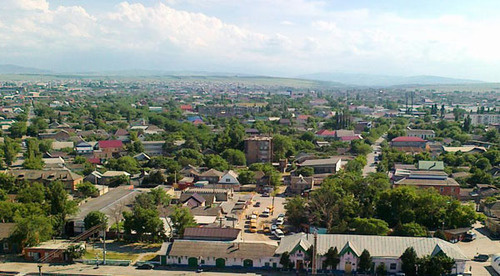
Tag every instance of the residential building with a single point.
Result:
(57, 248)
(212, 234)
(485, 119)
(299, 184)
(330, 165)
(425, 134)
(153, 148)
(84, 148)
(409, 144)
(383, 249)
(109, 148)
(465, 149)
(212, 176)
(438, 180)
(61, 135)
(219, 254)
(6, 246)
(325, 133)
(69, 179)
(229, 181)
(430, 165)
(259, 149)
(122, 135)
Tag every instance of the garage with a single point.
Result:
(220, 263)
(193, 262)
(247, 263)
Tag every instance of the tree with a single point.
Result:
(305, 171)
(60, 205)
(360, 147)
(124, 163)
(155, 177)
(483, 164)
(370, 226)
(18, 129)
(332, 258)
(87, 189)
(381, 270)
(365, 261)
(33, 193)
(440, 235)
(285, 260)
(282, 147)
(439, 264)
(296, 211)
(411, 229)
(234, 157)
(95, 218)
(144, 222)
(32, 230)
(409, 262)
(216, 162)
(181, 219)
(246, 177)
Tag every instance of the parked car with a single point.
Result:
(281, 215)
(265, 194)
(253, 216)
(266, 228)
(278, 233)
(280, 221)
(253, 228)
(481, 258)
(146, 266)
(470, 236)
(274, 227)
(265, 213)
(257, 204)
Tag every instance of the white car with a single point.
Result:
(254, 216)
(265, 213)
(274, 227)
(281, 215)
(279, 234)
(280, 221)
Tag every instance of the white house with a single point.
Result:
(383, 249)
(229, 180)
(84, 148)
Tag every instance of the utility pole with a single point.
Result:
(104, 246)
(315, 250)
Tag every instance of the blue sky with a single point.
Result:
(268, 37)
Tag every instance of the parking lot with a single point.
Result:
(481, 245)
(244, 223)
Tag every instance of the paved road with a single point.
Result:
(81, 269)
(482, 245)
(370, 158)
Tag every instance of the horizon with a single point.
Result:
(278, 38)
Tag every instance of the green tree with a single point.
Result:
(32, 193)
(246, 177)
(32, 230)
(124, 163)
(305, 171)
(296, 211)
(282, 147)
(381, 270)
(154, 177)
(145, 222)
(10, 150)
(365, 261)
(60, 205)
(332, 258)
(234, 157)
(370, 226)
(409, 262)
(181, 219)
(95, 218)
(483, 164)
(216, 162)
(285, 260)
(411, 229)
(87, 189)
(18, 129)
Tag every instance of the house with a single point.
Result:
(84, 148)
(383, 249)
(299, 184)
(109, 148)
(431, 165)
(438, 180)
(53, 163)
(425, 134)
(6, 246)
(221, 195)
(344, 133)
(122, 135)
(153, 148)
(142, 157)
(212, 176)
(325, 133)
(259, 149)
(229, 181)
(60, 136)
(56, 145)
(409, 144)
(56, 249)
(219, 254)
(193, 200)
(69, 179)
(350, 138)
(330, 165)
(465, 149)
(212, 233)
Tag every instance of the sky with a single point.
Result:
(265, 37)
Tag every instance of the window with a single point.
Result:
(393, 266)
(202, 261)
(228, 180)
(179, 260)
(441, 189)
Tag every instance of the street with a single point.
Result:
(370, 158)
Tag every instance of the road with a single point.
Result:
(81, 269)
(481, 245)
(370, 158)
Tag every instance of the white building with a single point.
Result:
(485, 119)
(383, 249)
(425, 134)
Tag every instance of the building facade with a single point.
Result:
(259, 149)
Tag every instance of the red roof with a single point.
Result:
(94, 161)
(326, 132)
(186, 107)
(110, 144)
(303, 117)
(407, 139)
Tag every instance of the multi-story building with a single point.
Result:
(485, 119)
(425, 134)
(259, 149)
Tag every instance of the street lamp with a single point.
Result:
(40, 269)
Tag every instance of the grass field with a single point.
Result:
(111, 255)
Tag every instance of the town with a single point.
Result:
(106, 176)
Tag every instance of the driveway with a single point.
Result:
(481, 245)
(370, 158)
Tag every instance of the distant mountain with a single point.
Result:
(6, 69)
(383, 80)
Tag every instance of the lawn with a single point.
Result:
(111, 255)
